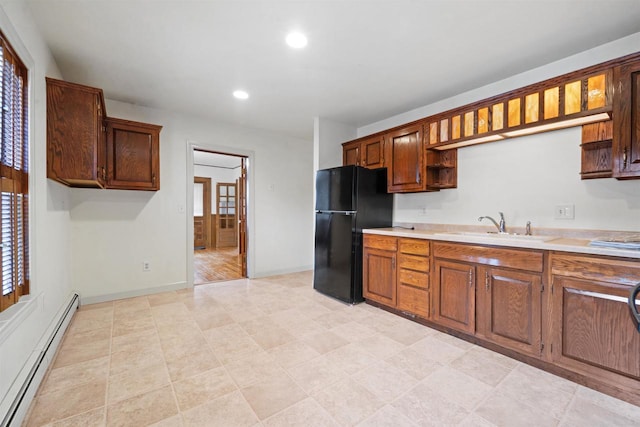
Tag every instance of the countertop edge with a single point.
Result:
(559, 244)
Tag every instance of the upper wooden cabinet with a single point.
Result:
(133, 159)
(87, 149)
(367, 152)
(405, 153)
(626, 121)
(75, 137)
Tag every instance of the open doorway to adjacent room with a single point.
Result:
(219, 216)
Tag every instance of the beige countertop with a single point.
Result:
(552, 243)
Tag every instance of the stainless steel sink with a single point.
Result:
(499, 236)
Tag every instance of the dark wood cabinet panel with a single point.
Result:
(592, 327)
(351, 154)
(454, 295)
(75, 137)
(413, 300)
(626, 121)
(379, 276)
(133, 160)
(509, 308)
(372, 153)
(519, 259)
(366, 152)
(405, 165)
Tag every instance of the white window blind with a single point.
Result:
(14, 177)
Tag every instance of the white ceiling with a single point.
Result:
(366, 59)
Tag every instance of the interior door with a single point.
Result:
(242, 216)
(201, 212)
(227, 229)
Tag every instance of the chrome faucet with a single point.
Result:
(502, 227)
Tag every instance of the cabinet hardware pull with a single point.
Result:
(470, 278)
(393, 263)
(153, 179)
(486, 280)
(104, 174)
(624, 158)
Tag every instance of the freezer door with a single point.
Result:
(334, 255)
(335, 189)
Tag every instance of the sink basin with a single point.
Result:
(499, 236)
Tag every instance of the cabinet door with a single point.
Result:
(592, 330)
(509, 308)
(372, 153)
(351, 154)
(75, 144)
(626, 121)
(454, 301)
(133, 155)
(405, 160)
(379, 276)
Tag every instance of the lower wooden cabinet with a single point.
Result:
(413, 291)
(566, 311)
(396, 273)
(591, 331)
(454, 299)
(510, 308)
(379, 269)
(379, 276)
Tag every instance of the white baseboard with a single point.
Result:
(299, 269)
(16, 402)
(135, 293)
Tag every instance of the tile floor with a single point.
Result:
(273, 352)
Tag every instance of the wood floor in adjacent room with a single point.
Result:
(214, 265)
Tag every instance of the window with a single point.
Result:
(14, 176)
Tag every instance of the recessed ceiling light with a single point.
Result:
(241, 94)
(296, 40)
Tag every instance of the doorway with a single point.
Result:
(219, 217)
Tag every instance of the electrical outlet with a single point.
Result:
(146, 266)
(565, 212)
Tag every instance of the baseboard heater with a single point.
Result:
(39, 362)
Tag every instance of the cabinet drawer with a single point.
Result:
(414, 246)
(413, 300)
(520, 259)
(415, 278)
(413, 262)
(381, 242)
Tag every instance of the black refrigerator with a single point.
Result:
(348, 199)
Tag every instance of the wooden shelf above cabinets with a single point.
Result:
(581, 97)
(442, 169)
(596, 148)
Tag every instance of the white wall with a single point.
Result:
(328, 135)
(50, 223)
(524, 177)
(115, 231)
